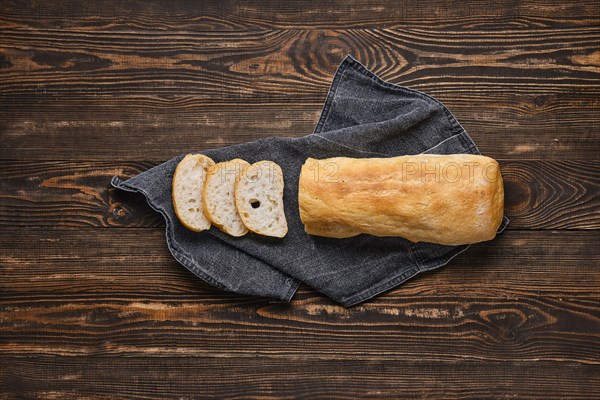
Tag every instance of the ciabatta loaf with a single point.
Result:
(259, 199)
(188, 181)
(445, 199)
(218, 197)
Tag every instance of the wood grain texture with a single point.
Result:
(81, 293)
(232, 15)
(504, 125)
(539, 195)
(435, 328)
(520, 93)
(45, 263)
(279, 65)
(259, 377)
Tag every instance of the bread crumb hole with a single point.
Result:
(254, 203)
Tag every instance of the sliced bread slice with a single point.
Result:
(188, 181)
(259, 199)
(218, 197)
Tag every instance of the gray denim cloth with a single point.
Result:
(363, 116)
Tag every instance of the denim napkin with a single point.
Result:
(363, 116)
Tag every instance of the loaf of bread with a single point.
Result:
(445, 199)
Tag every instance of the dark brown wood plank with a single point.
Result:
(517, 298)
(227, 15)
(520, 93)
(539, 195)
(40, 264)
(277, 65)
(528, 328)
(121, 129)
(150, 377)
(557, 195)
(503, 125)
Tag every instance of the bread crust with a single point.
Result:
(446, 199)
(200, 158)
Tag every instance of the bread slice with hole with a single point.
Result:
(259, 199)
(188, 182)
(219, 197)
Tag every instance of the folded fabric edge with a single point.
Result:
(394, 281)
(337, 77)
(180, 256)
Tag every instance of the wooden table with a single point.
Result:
(92, 305)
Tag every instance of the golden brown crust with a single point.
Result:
(453, 199)
(204, 208)
(337, 231)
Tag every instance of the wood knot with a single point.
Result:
(118, 211)
(540, 101)
(505, 323)
(517, 194)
